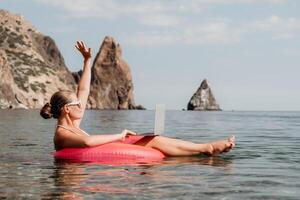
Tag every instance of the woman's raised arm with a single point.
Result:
(83, 89)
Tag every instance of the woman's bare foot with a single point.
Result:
(221, 146)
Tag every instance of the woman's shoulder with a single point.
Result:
(59, 131)
(61, 137)
(58, 139)
(61, 134)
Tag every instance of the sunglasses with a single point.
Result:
(74, 103)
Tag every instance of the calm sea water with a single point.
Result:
(264, 165)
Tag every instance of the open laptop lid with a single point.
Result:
(159, 123)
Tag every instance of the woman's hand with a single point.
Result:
(125, 133)
(86, 52)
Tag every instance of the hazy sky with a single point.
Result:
(249, 50)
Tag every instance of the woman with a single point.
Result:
(68, 108)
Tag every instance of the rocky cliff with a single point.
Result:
(203, 99)
(32, 69)
(31, 66)
(111, 85)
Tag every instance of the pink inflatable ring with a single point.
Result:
(113, 153)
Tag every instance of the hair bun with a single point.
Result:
(46, 112)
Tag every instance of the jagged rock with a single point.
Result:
(111, 84)
(77, 76)
(6, 83)
(203, 99)
(31, 66)
(138, 107)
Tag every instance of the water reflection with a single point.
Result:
(73, 180)
(205, 160)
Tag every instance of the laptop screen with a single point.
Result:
(159, 123)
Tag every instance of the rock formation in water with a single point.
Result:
(203, 99)
(111, 85)
(32, 69)
(31, 66)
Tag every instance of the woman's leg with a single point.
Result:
(175, 147)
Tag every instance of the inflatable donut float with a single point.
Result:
(113, 153)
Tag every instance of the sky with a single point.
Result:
(248, 50)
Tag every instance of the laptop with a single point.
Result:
(159, 123)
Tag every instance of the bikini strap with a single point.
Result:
(71, 129)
